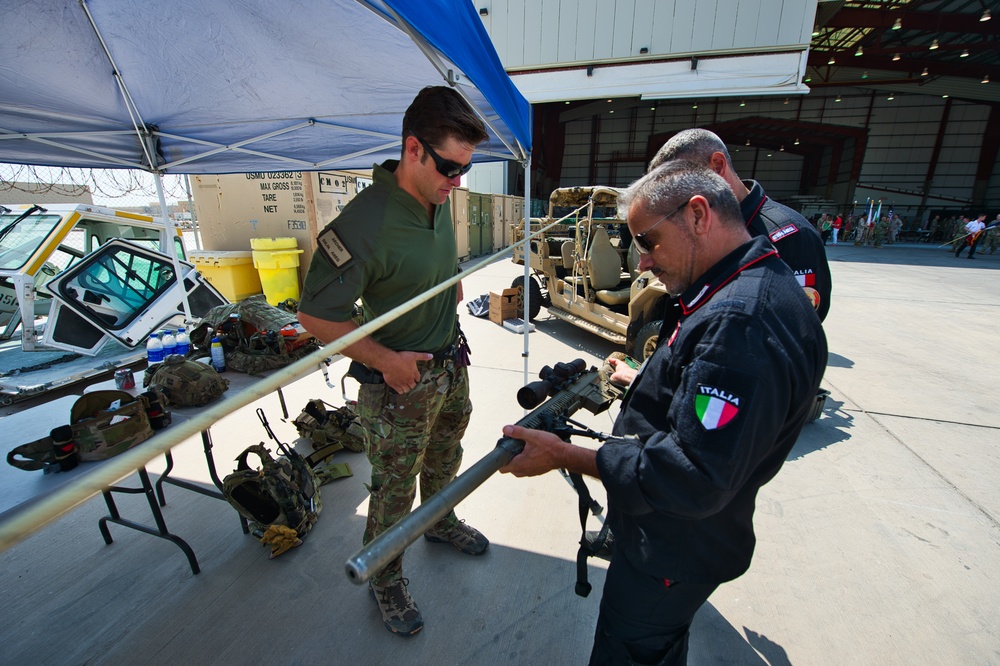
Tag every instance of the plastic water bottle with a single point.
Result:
(169, 343)
(218, 359)
(183, 341)
(154, 349)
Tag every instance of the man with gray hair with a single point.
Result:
(797, 241)
(709, 418)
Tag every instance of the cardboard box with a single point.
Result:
(233, 208)
(503, 305)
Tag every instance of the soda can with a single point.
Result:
(124, 379)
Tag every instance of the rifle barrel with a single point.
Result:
(389, 545)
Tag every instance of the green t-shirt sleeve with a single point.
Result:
(329, 292)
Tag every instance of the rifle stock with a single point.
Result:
(581, 390)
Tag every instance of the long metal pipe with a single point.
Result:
(389, 545)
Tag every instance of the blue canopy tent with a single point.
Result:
(190, 86)
(226, 87)
(196, 86)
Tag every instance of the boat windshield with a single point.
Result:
(19, 244)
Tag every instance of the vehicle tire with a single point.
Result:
(645, 339)
(534, 296)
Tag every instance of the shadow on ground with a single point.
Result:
(830, 428)
(715, 641)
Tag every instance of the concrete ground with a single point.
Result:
(878, 543)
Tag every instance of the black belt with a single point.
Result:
(447, 354)
(366, 375)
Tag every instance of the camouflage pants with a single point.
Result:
(415, 434)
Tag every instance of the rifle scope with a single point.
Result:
(552, 380)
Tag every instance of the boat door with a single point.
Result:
(124, 291)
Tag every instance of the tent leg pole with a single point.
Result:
(527, 262)
(172, 245)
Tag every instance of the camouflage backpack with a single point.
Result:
(185, 382)
(250, 333)
(333, 426)
(284, 491)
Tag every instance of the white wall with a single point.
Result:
(540, 33)
(488, 178)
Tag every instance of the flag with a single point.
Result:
(714, 407)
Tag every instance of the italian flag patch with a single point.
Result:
(715, 408)
(806, 277)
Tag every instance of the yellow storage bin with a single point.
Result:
(231, 272)
(277, 263)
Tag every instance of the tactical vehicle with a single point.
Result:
(585, 270)
(82, 287)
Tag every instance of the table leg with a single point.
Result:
(160, 531)
(206, 439)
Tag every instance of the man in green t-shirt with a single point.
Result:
(395, 240)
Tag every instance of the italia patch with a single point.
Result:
(715, 407)
(784, 231)
(331, 245)
(806, 277)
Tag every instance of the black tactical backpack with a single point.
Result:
(284, 491)
(337, 425)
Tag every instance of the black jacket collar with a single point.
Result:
(725, 271)
(752, 202)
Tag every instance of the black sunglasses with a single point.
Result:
(446, 168)
(643, 245)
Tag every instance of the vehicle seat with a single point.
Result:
(567, 255)
(603, 262)
(623, 294)
(569, 260)
(632, 261)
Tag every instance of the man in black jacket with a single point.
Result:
(797, 241)
(708, 420)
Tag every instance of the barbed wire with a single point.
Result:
(124, 185)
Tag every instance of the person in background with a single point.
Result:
(392, 242)
(838, 222)
(826, 227)
(895, 224)
(992, 236)
(974, 231)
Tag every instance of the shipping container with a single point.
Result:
(460, 218)
(233, 208)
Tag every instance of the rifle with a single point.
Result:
(571, 386)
